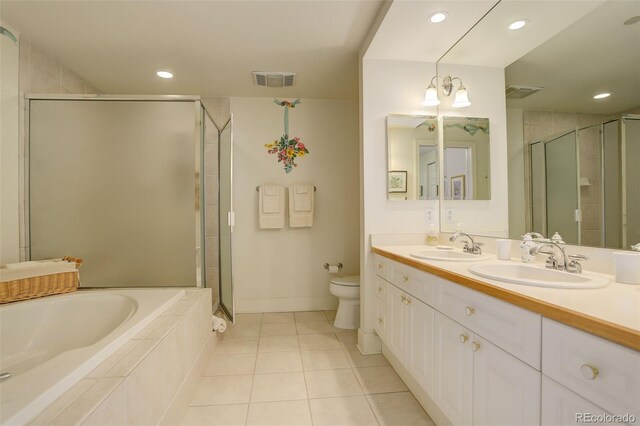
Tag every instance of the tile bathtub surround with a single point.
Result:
(297, 369)
(151, 378)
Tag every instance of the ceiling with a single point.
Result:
(212, 47)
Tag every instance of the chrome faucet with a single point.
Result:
(474, 248)
(569, 262)
(533, 235)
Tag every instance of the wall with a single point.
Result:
(9, 150)
(282, 269)
(485, 86)
(387, 87)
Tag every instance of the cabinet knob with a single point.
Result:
(468, 311)
(407, 301)
(463, 338)
(475, 346)
(379, 266)
(402, 298)
(379, 320)
(405, 278)
(379, 289)
(589, 372)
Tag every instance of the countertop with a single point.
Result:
(612, 312)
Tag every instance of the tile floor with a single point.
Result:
(297, 369)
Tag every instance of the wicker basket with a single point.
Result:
(45, 285)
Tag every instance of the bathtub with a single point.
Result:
(49, 344)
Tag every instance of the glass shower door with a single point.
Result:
(226, 216)
(562, 187)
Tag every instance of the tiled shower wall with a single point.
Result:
(40, 73)
(543, 124)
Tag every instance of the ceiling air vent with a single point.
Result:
(519, 92)
(274, 79)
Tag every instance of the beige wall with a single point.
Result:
(282, 269)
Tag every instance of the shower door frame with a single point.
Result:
(199, 162)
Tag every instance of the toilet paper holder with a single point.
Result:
(326, 266)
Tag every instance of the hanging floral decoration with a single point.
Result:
(287, 149)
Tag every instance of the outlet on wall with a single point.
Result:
(429, 216)
(449, 215)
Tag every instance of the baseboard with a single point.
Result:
(286, 304)
(369, 342)
(423, 398)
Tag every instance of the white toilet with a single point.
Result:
(347, 290)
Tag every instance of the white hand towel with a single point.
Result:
(271, 210)
(301, 204)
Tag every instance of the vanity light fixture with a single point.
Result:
(438, 17)
(460, 100)
(164, 74)
(516, 25)
(601, 95)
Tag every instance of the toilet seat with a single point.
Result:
(350, 281)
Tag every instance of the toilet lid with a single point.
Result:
(351, 281)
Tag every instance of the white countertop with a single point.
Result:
(617, 304)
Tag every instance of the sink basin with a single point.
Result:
(449, 256)
(517, 273)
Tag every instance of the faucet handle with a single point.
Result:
(552, 262)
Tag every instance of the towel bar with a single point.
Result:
(258, 188)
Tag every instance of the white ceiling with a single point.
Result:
(211, 46)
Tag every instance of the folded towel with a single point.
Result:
(271, 210)
(301, 203)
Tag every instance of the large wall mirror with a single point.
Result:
(572, 97)
(412, 147)
(467, 163)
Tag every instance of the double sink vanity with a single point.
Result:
(484, 341)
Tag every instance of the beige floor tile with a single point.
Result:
(278, 387)
(219, 390)
(329, 359)
(342, 411)
(314, 327)
(379, 380)
(278, 362)
(311, 316)
(331, 315)
(277, 317)
(282, 413)
(243, 330)
(216, 415)
(248, 318)
(348, 339)
(310, 342)
(327, 383)
(230, 364)
(398, 409)
(278, 344)
(236, 345)
(358, 360)
(278, 329)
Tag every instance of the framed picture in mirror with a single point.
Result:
(457, 187)
(397, 181)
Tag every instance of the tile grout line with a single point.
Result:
(253, 375)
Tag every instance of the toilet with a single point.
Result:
(347, 290)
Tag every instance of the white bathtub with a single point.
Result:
(49, 344)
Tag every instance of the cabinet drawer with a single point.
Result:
(509, 327)
(381, 265)
(603, 372)
(382, 290)
(417, 283)
(381, 319)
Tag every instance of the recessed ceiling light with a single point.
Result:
(164, 74)
(602, 95)
(438, 17)
(516, 25)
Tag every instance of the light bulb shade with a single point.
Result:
(431, 96)
(462, 99)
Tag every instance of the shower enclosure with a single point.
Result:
(132, 184)
(584, 184)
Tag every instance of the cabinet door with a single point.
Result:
(420, 351)
(381, 319)
(506, 391)
(453, 378)
(397, 324)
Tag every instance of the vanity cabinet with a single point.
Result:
(560, 405)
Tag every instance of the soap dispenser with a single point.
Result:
(432, 236)
(525, 248)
